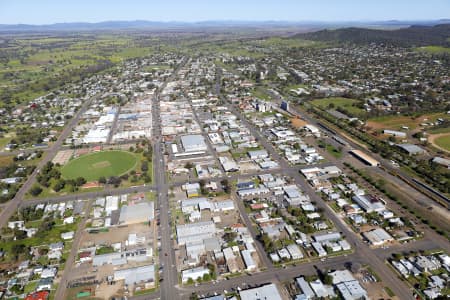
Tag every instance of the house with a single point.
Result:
(294, 251)
(49, 273)
(41, 295)
(248, 260)
(305, 288)
(67, 235)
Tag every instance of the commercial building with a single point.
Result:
(258, 154)
(136, 275)
(193, 143)
(193, 274)
(378, 236)
(269, 291)
(394, 133)
(411, 149)
(138, 213)
(365, 158)
(369, 203)
(194, 232)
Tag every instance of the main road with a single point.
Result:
(169, 278)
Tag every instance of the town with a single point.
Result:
(224, 166)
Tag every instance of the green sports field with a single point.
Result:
(443, 142)
(95, 165)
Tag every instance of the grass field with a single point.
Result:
(95, 165)
(443, 142)
(345, 103)
(434, 49)
(396, 122)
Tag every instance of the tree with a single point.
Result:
(102, 180)
(229, 236)
(206, 277)
(144, 166)
(80, 181)
(20, 234)
(35, 190)
(59, 185)
(328, 279)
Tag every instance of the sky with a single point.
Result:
(60, 11)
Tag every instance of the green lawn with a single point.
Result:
(443, 142)
(95, 165)
(434, 49)
(345, 103)
(395, 122)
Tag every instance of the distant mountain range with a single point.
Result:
(417, 35)
(140, 24)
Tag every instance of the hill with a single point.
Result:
(410, 36)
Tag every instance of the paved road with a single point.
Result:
(389, 278)
(167, 255)
(62, 287)
(48, 155)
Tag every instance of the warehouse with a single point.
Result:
(193, 274)
(138, 213)
(369, 203)
(394, 133)
(411, 149)
(258, 154)
(190, 233)
(136, 275)
(193, 143)
(378, 236)
(269, 291)
(365, 158)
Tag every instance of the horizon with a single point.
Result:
(365, 21)
(48, 12)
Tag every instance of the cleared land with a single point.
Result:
(95, 165)
(348, 104)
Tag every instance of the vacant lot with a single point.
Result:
(349, 105)
(95, 165)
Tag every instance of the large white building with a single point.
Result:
(194, 274)
(268, 291)
(195, 232)
(193, 143)
(136, 275)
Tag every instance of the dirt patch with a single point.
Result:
(101, 164)
(298, 123)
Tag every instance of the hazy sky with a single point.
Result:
(55, 11)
